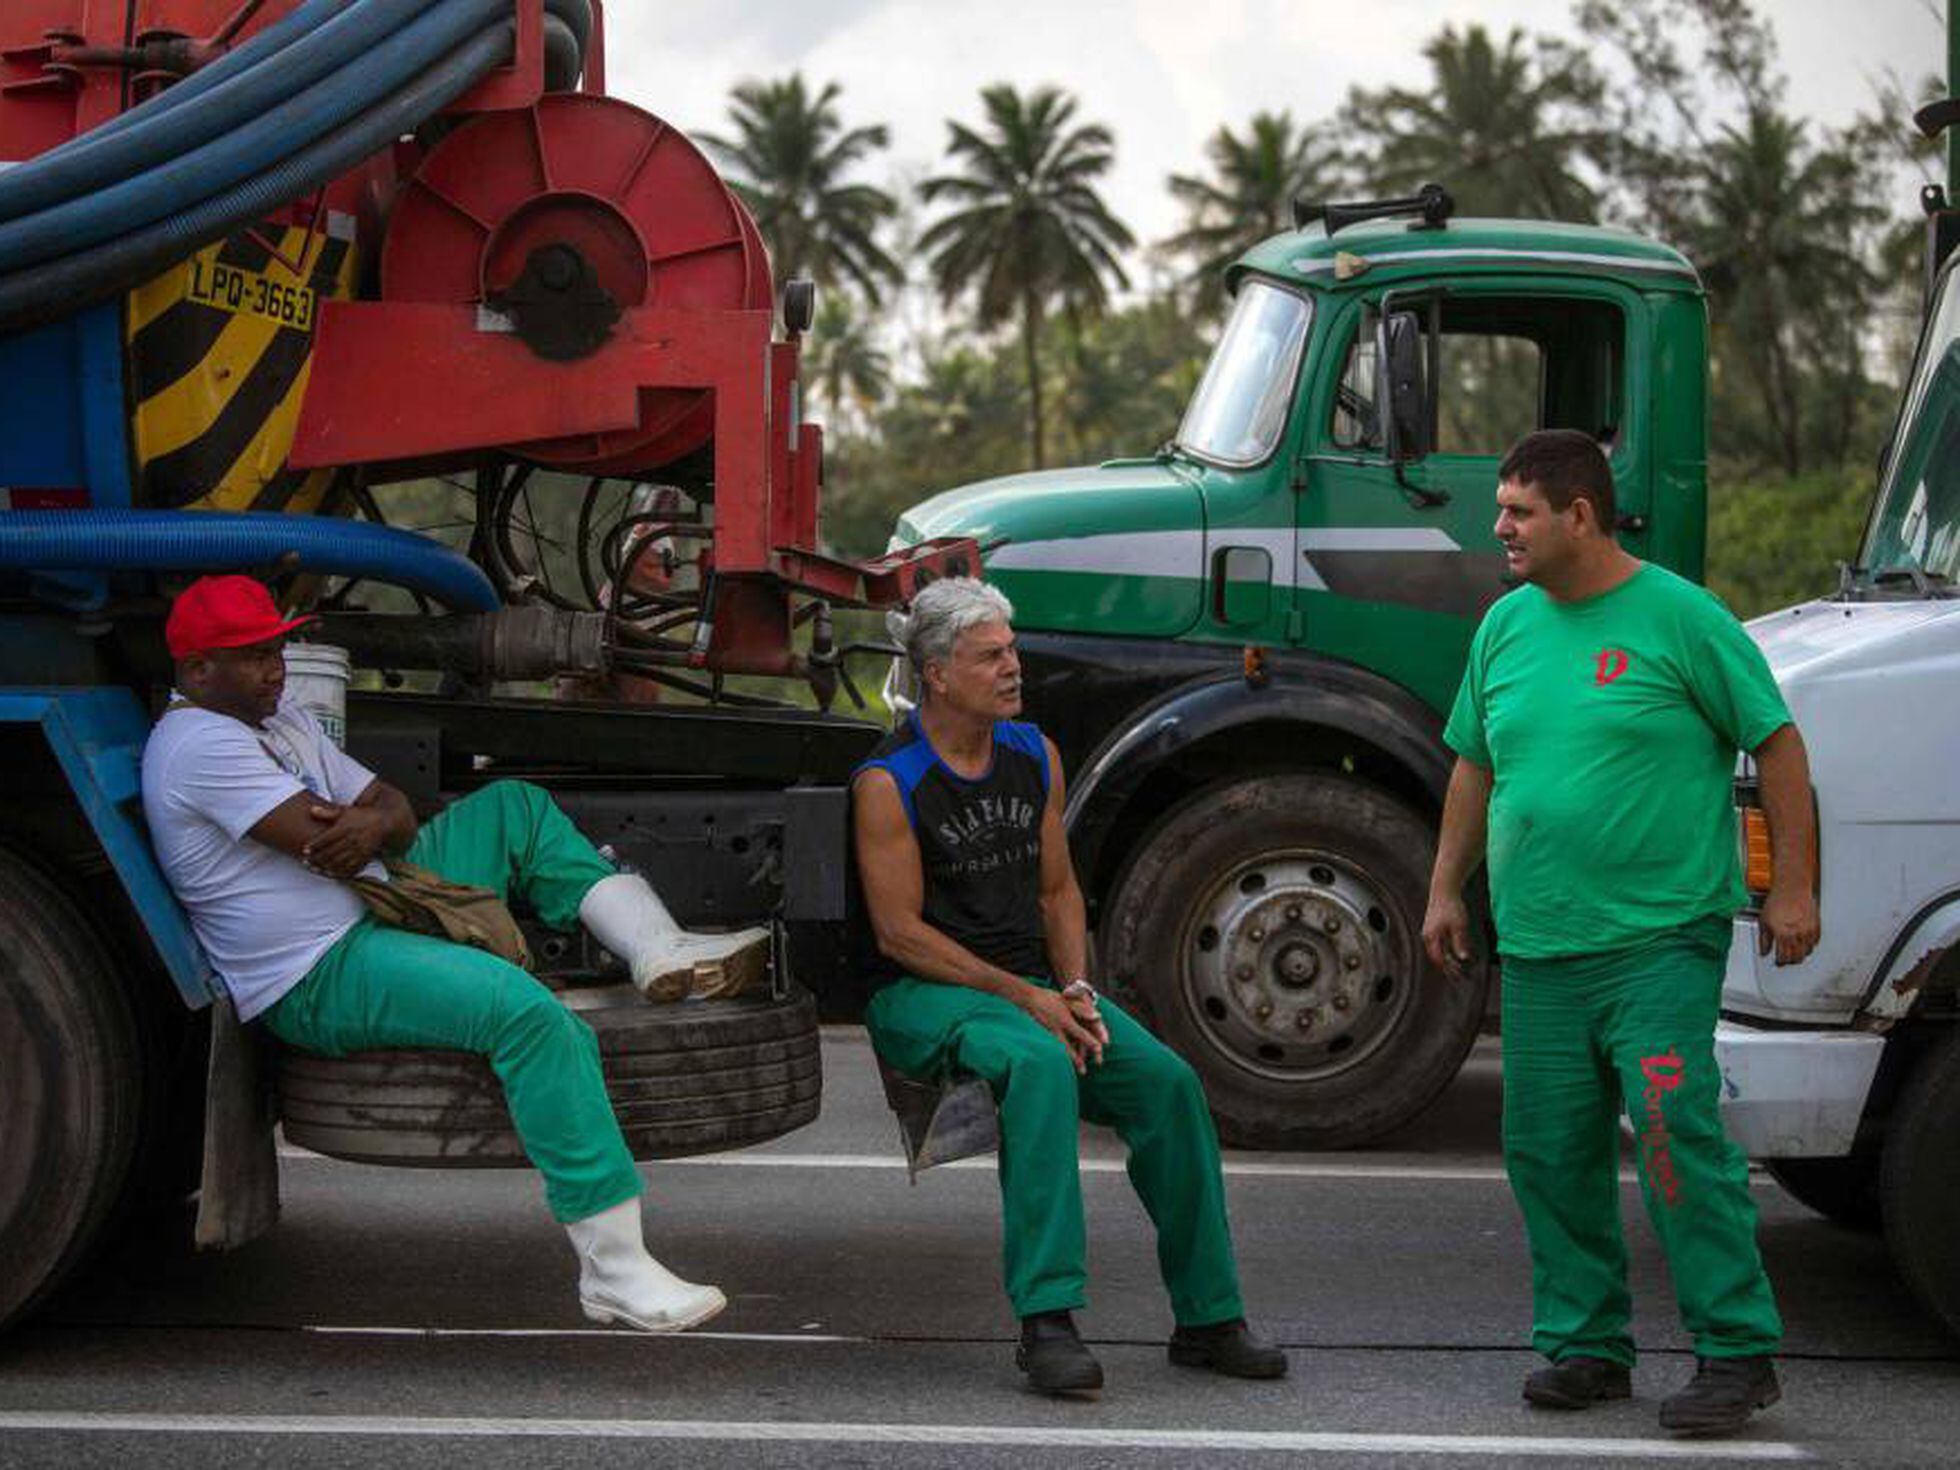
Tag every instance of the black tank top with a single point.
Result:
(979, 840)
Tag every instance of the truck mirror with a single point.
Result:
(1401, 387)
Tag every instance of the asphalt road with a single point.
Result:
(403, 1319)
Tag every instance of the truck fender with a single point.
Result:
(1318, 693)
(96, 736)
(1913, 959)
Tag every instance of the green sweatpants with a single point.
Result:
(380, 987)
(1585, 1036)
(1141, 1088)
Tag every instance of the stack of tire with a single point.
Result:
(689, 1078)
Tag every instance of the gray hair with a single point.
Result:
(944, 610)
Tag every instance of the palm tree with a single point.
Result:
(1774, 231)
(790, 158)
(1249, 197)
(848, 366)
(1028, 229)
(1502, 129)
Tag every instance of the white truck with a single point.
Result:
(1843, 1073)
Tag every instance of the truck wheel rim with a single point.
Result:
(1295, 966)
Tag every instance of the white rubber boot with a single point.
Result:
(619, 1282)
(625, 915)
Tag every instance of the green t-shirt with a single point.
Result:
(1610, 727)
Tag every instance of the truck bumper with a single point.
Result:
(1794, 1094)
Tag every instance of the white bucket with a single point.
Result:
(316, 676)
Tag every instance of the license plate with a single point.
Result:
(217, 284)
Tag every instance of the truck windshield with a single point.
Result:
(1239, 409)
(1915, 527)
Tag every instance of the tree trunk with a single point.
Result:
(1030, 337)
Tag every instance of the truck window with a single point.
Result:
(1237, 414)
(1508, 365)
(1916, 521)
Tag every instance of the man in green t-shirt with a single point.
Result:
(1596, 732)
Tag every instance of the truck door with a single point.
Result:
(1397, 558)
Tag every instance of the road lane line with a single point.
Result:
(807, 1432)
(1234, 1168)
(328, 1330)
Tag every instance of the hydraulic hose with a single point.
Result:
(227, 541)
(243, 153)
(111, 154)
(60, 287)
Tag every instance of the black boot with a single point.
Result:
(1578, 1383)
(1053, 1357)
(1721, 1396)
(1229, 1348)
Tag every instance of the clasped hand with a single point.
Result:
(353, 836)
(1075, 1023)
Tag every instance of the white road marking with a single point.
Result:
(808, 1432)
(326, 1330)
(1234, 1168)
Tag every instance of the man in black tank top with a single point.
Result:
(958, 822)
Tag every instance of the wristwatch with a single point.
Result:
(1078, 990)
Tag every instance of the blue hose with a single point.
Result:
(112, 154)
(244, 152)
(228, 541)
(272, 39)
(60, 287)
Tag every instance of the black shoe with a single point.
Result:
(1053, 1356)
(1578, 1383)
(1229, 1348)
(1721, 1396)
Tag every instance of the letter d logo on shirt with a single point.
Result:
(1612, 663)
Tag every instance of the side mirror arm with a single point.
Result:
(1420, 496)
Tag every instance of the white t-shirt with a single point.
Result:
(263, 918)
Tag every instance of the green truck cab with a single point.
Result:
(1247, 643)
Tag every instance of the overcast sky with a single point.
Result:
(1162, 73)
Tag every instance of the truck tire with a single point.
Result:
(1842, 1190)
(1919, 1189)
(684, 1079)
(1270, 930)
(70, 1086)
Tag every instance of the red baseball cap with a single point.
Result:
(223, 612)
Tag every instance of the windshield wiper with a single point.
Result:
(1924, 583)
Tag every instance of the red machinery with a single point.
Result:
(564, 279)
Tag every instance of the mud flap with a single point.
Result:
(238, 1195)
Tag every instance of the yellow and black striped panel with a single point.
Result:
(219, 350)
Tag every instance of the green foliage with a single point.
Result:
(1026, 230)
(1772, 542)
(1249, 196)
(790, 157)
(1507, 128)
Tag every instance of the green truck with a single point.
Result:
(1246, 643)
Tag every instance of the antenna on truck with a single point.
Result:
(1432, 203)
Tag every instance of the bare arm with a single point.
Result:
(1459, 849)
(339, 840)
(894, 891)
(1064, 916)
(1789, 923)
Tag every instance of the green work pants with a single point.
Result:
(383, 987)
(1141, 1088)
(1584, 1037)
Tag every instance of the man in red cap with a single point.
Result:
(258, 818)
